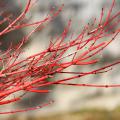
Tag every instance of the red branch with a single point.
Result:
(33, 72)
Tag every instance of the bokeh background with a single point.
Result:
(71, 103)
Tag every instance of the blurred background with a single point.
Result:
(71, 103)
